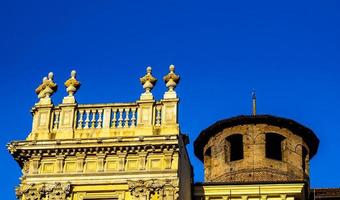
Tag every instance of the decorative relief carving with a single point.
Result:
(55, 191)
(30, 191)
(58, 191)
(146, 189)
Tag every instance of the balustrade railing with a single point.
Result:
(123, 116)
(146, 116)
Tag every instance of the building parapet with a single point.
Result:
(69, 120)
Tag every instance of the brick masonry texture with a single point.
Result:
(255, 166)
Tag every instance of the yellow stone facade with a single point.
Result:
(136, 151)
(103, 151)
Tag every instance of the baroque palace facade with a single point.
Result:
(136, 151)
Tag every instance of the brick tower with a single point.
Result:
(256, 149)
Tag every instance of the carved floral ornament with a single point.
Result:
(145, 189)
(54, 191)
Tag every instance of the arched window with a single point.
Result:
(274, 146)
(234, 147)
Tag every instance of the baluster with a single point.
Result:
(93, 120)
(126, 120)
(99, 124)
(80, 120)
(113, 122)
(133, 117)
(87, 120)
(158, 115)
(56, 120)
(120, 119)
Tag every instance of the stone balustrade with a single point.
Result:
(69, 119)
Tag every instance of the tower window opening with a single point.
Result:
(235, 144)
(304, 158)
(274, 146)
(207, 157)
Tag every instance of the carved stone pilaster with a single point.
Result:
(30, 191)
(144, 190)
(58, 191)
(171, 190)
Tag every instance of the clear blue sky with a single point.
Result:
(287, 50)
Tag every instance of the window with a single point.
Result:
(304, 158)
(207, 157)
(274, 146)
(234, 147)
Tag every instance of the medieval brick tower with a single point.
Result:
(265, 155)
(113, 151)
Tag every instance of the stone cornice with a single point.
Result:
(23, 150)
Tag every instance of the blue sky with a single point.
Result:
(287, 50)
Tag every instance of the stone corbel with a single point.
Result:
(168, 158)
(121, 160)
(80, 162)
(34, 164)
(60, 163)
(142, 159)
(100, 161)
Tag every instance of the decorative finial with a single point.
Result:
(148, 82)
(254, 102)
(46, 89)
(72, 85)
(171, 80)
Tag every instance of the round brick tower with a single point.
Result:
(257, 148)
